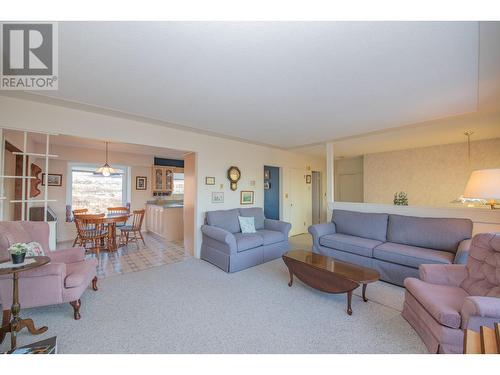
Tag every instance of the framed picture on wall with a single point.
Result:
(217, 197)
(209, 180)
(246, 197)
(308, 179)
(53, 179)
(141, 183)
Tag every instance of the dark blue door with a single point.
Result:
(272, 192)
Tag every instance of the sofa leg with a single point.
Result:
(76, 308)
(94, 284)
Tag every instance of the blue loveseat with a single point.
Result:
(225, 246)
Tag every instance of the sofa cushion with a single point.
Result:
(361, 224)
(271, 236)
(350, 244)
(246, 241)
(225, 219)
(257, 213)
(442, 302)
(77, 273)
(411, 256)
(247, 224)
(434, 233)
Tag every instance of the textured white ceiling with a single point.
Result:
(280, 83)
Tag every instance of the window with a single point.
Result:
(178, 183)
(94, 192)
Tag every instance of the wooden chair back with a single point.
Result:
(80, 211)
(89, 226)
(118, 210)
(138, 219)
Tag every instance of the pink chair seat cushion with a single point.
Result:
(77, 273)
(442, 302)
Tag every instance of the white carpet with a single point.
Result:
(193, 307)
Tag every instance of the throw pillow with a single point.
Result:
(34, 249)
(247, 224)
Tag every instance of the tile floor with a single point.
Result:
(133, 257)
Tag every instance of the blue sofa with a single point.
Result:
(394, 245)
(225, 246)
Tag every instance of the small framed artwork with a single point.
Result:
(217, 197)
(53, 179)
(246, 197)
(267, 185)
(308, 179)
(209, 180)
(267, 174)
(141, 183)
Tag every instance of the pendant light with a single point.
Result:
(106, 170)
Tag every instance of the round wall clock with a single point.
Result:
(234, 175)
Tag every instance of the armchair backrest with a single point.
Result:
(483, 266)
(22, 231)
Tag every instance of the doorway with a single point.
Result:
(272, 192)
(316, 197)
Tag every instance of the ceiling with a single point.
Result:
(286, 84)
(94, 144)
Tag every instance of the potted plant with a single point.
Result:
(18, 252)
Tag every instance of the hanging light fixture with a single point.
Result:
(106, 170)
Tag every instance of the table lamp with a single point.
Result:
(484, 184)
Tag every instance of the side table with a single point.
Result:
(16, 323)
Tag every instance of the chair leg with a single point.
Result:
(76, 308)
(94, 284)
(142, 238)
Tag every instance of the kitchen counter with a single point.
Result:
(166, 219)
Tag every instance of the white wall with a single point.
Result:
(214, 155)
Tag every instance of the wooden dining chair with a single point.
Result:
(118, 211)
(133, 232)
(91, 231)
(79, 211)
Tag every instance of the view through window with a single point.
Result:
(94, 192)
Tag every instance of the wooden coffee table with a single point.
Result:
(328, 274)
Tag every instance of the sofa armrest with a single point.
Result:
(278, 226)
(484, 307)
(443, 274)
(51, 269)
(319, 230)
(220, 235)
(462, 252)
(70, 255)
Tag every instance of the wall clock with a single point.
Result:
(234, 175)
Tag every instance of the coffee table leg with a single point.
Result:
(291, 277)
(364, 293)
(349, 299)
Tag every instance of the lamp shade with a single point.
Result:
(484, 184)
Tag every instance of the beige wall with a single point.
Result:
(345, 168)
(214, 154)
(431, 176)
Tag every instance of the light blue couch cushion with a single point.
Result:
(257, 213)
(225, 219)
(361, 224)
(246, 241)
(247, 224)
(411, 256)
(350, 244)
(271, 236)
(433, 233)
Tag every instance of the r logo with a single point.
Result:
(28, 49)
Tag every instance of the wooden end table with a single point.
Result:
(16, 323)
(328, 274)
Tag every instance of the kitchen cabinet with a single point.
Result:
(166, 222)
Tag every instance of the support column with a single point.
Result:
(330, 178)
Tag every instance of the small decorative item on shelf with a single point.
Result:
(400, 199)
(18, 252)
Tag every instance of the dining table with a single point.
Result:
(112, 220)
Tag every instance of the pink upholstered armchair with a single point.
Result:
(62, 280)
(449, 298)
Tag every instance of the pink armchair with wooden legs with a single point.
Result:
(449, 298)
(62, 280)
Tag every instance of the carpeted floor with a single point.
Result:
(193, 307)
